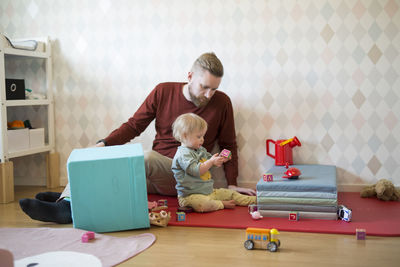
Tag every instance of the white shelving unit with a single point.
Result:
(7, 53)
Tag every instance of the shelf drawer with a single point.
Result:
(18, 139)
(36, 137)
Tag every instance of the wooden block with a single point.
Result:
(90, 234)
(180, 216)
(85, 238)
(361, 234)
(6, 182)
(225, 153)
(162, 202)
(53, 170)
(268, 177)
(293, 216)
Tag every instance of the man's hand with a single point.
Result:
(100, 144)
(242, 190)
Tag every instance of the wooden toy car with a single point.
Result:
(262, 239)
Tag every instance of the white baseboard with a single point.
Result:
(351, 187)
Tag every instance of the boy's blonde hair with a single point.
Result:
(186, 124)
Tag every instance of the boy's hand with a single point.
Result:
(217, 160)
(226, 159)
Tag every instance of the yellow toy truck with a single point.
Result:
(262, 239)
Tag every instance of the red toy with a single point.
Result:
(283, 150)
(292, 173)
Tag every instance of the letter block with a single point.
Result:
(268, 177)
(293, 216)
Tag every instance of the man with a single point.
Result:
(164, 104)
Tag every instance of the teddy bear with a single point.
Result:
(383, 190)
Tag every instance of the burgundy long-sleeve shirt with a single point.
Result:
(164, 104)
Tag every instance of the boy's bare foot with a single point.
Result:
(230, 204)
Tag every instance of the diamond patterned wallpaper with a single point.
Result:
(325, 71)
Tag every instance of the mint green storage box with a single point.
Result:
(108, 188)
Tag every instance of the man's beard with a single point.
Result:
(197, 101)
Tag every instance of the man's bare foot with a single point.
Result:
(230, 204)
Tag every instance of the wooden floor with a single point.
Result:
(187, 246)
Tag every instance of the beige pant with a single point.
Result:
(159, 176)
(213, 201)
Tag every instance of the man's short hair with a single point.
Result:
(210, 62)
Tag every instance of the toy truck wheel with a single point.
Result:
(248, 244)
(272, 246)
(278, 242)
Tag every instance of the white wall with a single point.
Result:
(325, 71)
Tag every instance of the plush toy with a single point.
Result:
(383, 190)
(158, 214)
(160, 219)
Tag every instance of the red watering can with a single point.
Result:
(283, 150)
